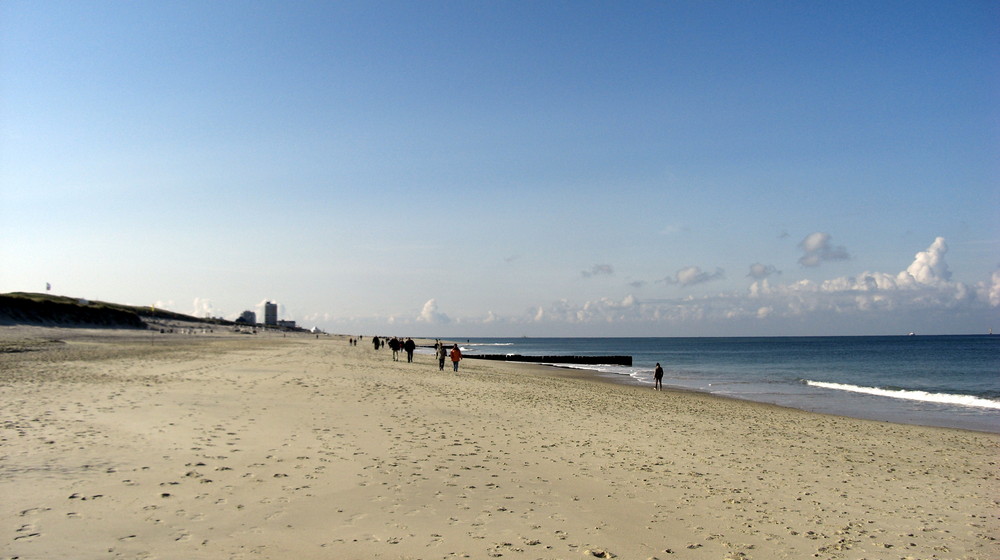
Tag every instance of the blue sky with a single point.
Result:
(510, 168)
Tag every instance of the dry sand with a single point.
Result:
(118, 445)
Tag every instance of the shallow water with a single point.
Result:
(948, 381)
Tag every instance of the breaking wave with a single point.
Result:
(924, 396)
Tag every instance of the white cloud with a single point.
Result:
(920, 298)
(760, 271)
(993, 290)
(923, 289)
(317, 318)
(929, 267)
(430, 314)
(601, 310)
(924, 284)
(599, 270)
(203, 308)
(817, 249)
(693, 275)
(167, 305)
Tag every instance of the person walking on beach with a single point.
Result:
(409, 346)
(456, 356)
(442, 353)
(394, 346)
(375, 342)
(658, 376)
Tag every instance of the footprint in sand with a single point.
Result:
(27, 532)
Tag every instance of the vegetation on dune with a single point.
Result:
(44, 309)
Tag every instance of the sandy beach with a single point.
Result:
(124, 444)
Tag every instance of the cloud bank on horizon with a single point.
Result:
(896, 300)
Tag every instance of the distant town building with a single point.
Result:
(248, 317)
(271, 314)
(286, 324)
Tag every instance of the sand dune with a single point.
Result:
(225, 446)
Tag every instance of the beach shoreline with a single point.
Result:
(134, 444)
(929, 381)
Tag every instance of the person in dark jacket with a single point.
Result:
(409, 346)
(442, 353)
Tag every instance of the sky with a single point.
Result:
(450, 169)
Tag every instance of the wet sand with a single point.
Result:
(121, 444)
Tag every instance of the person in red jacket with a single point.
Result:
(456, 356)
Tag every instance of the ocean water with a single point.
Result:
(947, 381)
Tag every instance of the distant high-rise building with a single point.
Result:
(248, 317)
(271, 313)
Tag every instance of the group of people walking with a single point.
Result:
(441, 351)
(397, 344)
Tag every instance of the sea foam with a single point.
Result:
(940, 398)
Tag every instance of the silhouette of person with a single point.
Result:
(442, 353)
(394, 346)
(409, 346)
(658, 377)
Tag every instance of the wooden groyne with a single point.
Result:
(589, 360)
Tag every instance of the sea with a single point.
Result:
(944, 381)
